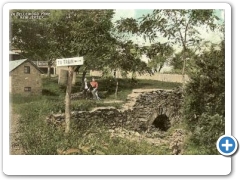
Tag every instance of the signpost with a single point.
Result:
(63, 65)
(70, 63)
(75, 61)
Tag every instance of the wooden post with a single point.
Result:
(68, 99)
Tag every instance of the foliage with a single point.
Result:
(64, 33)
(34, 37)
(126, 56)
(204, 107)
(179, 27)
(158, 54)
(177, 60)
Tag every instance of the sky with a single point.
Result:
(133, 13)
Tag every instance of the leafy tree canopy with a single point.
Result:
(180, 27)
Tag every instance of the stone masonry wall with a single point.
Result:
(146, 109)
(109, 116)
(150, 105)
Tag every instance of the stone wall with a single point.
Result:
(153, 104)
(109, 116)
(19, 80)
(148, 107)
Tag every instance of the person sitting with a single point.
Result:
(94, 91)
(86, 89)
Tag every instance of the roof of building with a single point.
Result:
(14, 64)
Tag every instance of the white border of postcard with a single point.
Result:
(116, 164)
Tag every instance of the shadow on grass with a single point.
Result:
(46, 92)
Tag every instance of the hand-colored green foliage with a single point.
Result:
(180, 27)
(204, 107)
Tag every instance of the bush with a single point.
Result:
(108, 84)
(204, 107)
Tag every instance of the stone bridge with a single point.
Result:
(144, 109)
(156, 108)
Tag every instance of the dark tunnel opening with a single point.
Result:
(162, 122)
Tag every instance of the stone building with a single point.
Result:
(24, 77)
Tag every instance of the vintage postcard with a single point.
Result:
(124, 84)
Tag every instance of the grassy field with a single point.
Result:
(38, 138)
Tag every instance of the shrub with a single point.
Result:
(108, 84)
(204, 107)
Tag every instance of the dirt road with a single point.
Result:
(15, 147)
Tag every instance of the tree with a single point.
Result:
(178, 26)
(158, 54)
(177, 61)
(81, 32)
(34, 37)
(127, 58)
(123, 56)
(204, 106)
(117, 54)
(90, 36)
(65, 33)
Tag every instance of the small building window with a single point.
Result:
(27, 89)
(27, 69)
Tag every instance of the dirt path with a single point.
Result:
(15, 147)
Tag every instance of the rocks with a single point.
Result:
(109, 116)
(136, 136)
(150, 105)
(177, 141)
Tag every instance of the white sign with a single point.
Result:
(70, 61)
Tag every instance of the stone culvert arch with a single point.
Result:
(159, 109)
